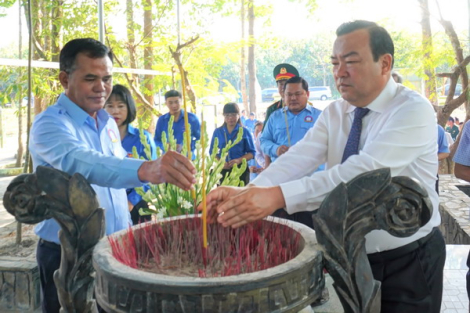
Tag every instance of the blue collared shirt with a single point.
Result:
(462, 155)
(245, 145)
(442, 144)
(67, 138)
(131, 140)
(275, 131)
(178, 129)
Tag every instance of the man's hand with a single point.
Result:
(237, 206)
(281, 150)
(172, 168)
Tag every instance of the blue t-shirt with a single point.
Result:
(67, 138)
(178, 129)
(131, 140)
(245, 145)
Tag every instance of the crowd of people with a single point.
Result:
(296, 156)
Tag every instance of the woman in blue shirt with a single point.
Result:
(121, 107)
(245, 149)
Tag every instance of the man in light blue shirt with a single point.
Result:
(77, 135)
(287, 126)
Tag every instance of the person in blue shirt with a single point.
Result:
(462, 171)
(250, 123)
(121, 106)
(243, 118)
(173, 100)
(245, 149)
(76, 135)
(442, 149)
(287, 126)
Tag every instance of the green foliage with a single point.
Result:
(169, 200)
(5, 4)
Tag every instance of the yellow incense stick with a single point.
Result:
(186, 126)
(203, 169)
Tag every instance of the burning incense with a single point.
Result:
(186, 126)
(203, 167)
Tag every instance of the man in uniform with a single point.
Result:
(289, 124)
(286, 127)
(282, 72)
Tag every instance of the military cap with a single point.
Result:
(284, 71)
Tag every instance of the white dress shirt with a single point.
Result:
(399, 133)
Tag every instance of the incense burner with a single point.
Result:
(287, 287)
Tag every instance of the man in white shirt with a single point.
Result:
(398, 132)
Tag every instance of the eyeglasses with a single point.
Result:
(231, 115)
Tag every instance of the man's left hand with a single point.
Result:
(236, 207)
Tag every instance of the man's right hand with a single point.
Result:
(172, 168)
(281, 150)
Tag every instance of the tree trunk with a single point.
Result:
(176, 54)
(57, 15)
(242, 60)
(251, 57)
(430, 83)
(148, 61)
(19, 94)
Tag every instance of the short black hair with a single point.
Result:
(232, 107)
(297, 80)
(379, 39)
(122, 93)
(172, 93)
(92, 48)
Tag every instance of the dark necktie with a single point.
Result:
(352, 146)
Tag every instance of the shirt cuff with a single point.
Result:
(129, 171)
(295, 196)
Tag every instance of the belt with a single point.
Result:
(398, 252)
(49, 244)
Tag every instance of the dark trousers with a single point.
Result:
(413, 281)
(304, 217)
(245, 176)
(136, 217)
(468, 275)
(48, 258)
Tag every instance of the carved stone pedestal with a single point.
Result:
(19, 285)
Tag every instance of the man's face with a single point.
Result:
(280, 87)
(358, 78)
(296, 97)
(173, 104)
(90, 83)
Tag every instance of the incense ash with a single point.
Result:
(174, 246)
